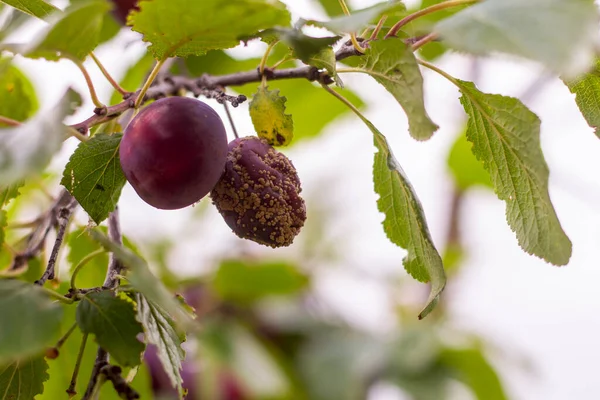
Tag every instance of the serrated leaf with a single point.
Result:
(30, 320)
(561, 34)
(10, 192)
(189, 27)
(392, 63)
(506, 137)
(75, 34)
(27, 149)
(587, 95)
(359, 19)
(160, 331)
(267, 110)
(244, 281)
(24, 379)
(94, 177)
(404, 222)
(17, 95)
(467, 170)
(113, 322)
(140, 277)
(36, 8)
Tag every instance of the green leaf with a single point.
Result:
(80, 244)
(75, 34)
(27, 149)
(189, 27)
(307, 105)
(134, 77)
(24, 379)
(9, 192)
(17, 95)
(471, 367)
(392, 63)
(587, 95)
(245, 281)
(112, 320)
(94, 177)
(36, 8)
(267, 110)
(404, 222)
(303, 46)
(140, 277)
(467, 170)
(359, 19)
(332, 7)
(30, 320)
(160, 331)
(506, 138)
(561, 34)
(3, 224)
(325, 59)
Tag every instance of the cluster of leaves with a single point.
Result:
(505, 151)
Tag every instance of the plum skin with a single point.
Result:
(173, 152)
(259, 193)
(122, 8)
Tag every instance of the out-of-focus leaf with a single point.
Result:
(94, 177)
(23, 379)
(245, 282)
(587, 95)
(27, 149)
(160, 331)
(36, 8)
(332, 7)
(3, 224)
(506, 138)
(465, 167)
(392, 63)
(75, 34)
(267, 111)
(113, 322)
(304, 47)
(140, 277)
(325, 59)
(359, 19)
(188, 27)
(471, 367)
(17, 95)
(561, 34)
(30, 320)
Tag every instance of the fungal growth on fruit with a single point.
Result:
(259, 193)
(173, 152)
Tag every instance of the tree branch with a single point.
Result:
(115, 267)
(211, 86)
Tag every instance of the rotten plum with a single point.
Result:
(259, 193)
(173, 152)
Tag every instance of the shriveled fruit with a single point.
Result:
(259, 193)
(173, 152)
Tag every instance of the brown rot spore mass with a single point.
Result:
(259, 193)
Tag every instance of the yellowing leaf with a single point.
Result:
(267, 110)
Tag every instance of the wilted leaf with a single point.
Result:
(267, 110)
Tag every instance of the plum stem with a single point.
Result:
(82, 263)
(226, 106)
(424, 40)
(140, 98)
(107, 75)
(88, 81)
(263, 62)
(427, 10)
(378, 27)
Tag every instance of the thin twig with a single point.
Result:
(64, 216)
(113, 374)
(424, 40)
(88, 80)
(378, 27)
(71, 390)
(108, 77)
(140, 99)
(115, 267)
(101, 361)
(9, 121)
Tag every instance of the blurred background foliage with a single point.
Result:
(265, 332)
